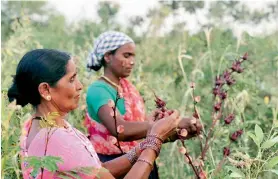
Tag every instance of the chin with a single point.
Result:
(126, 75)
(73, 107)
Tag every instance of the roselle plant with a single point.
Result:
(114, 113)
(220, 94)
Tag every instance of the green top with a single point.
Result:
(98, 94)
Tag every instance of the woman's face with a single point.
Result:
(66, 94)
(122, 62)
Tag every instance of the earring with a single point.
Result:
(48, 97)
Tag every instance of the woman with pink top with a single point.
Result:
(47, 79)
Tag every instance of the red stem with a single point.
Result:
(195, 110)
(190, 162)
(206, 147)
(220, 164)
(115, 119)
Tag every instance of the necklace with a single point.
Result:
(111, 82)
(49, 120)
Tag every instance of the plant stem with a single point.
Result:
(203, 154)
(190, 162)
(115, 120)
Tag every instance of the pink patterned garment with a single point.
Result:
(99, 135)
(69, 144)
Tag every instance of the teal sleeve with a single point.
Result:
(96, 98)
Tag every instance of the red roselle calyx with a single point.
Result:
(219, 81)
(236, 66)
(226, 151)
(229, 118)
(230, 81)
(223, 95)
(227, 76)
(217, 106)
(245, 56)
(160, 103)
(236, 134)
(216, 91)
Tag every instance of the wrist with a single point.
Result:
(148, 151)
(151, 142)
(132, 156)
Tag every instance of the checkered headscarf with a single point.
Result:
(107, 41)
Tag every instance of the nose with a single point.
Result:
(79, 85)
(132, 61)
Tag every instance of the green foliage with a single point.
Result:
(46, 162)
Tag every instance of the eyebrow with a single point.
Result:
(74, 75)
(130, 53)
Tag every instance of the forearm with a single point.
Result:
(118, 167)
(133, 130)
(141, 170)
(121, 165)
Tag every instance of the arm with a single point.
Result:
(97, 99)
(132, 130)
(151, 146)
(120, 166)
(141, 169)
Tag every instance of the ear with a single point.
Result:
(44, 90)
(107, 57)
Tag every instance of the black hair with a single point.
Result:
(102, 62)
(35, 67)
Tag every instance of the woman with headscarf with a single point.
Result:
(115, 52)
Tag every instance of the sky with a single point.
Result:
(79, 9)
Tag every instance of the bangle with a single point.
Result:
(156, 136)
(152, 143)
(146, 161)
(141, 146)
(132, 156)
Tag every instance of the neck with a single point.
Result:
(44, 108)
(111, 76)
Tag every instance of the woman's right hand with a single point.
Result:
(167, 126)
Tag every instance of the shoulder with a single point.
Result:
(100, 89)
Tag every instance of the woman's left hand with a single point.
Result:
(151, 118)
(193, 127)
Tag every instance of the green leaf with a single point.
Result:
(236, 175)
(104, 170)
(274, 171)
(259, 133)
(33, 162)
(72, 174)
(252, 136)
(269, 143)
(51, 166)
(86, 170)
(272, 162)
(35, 171)
(50, 163)
(63, 176)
